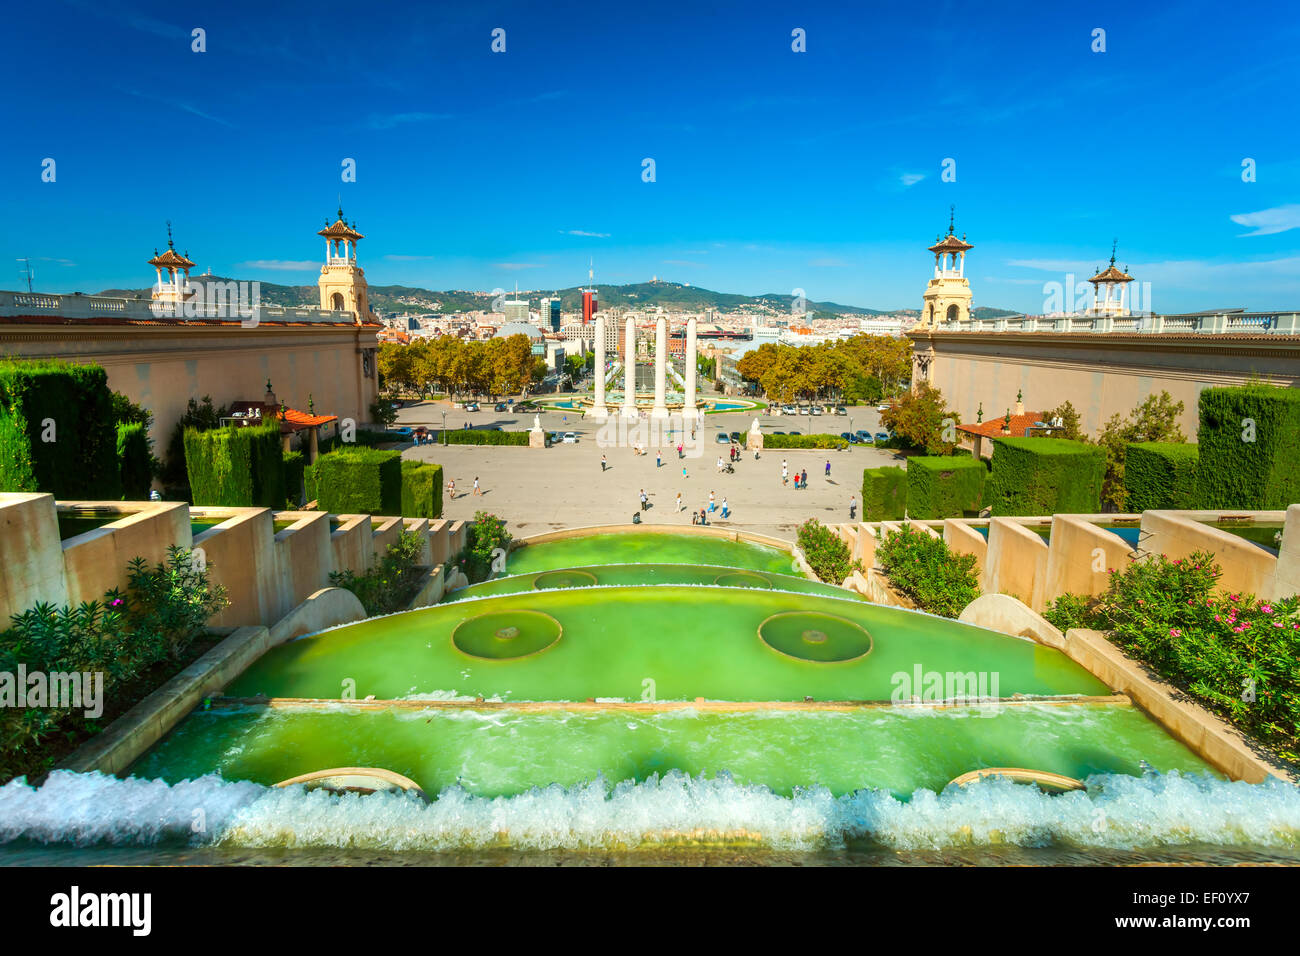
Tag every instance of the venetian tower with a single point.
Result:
(342, 282)
(1110, 289)
(172, 292)
(947, 297)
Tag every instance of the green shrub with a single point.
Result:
(920, 566)
(805, 441)
(884, 493)
(359, 481)
(1233, 652)
(944, 486)
(1248, 439)
(134, 463)
(421, 490)
(309, 483)
(1045, 476)
(364, 437)
(827, 555)
(1071, 610)
(1160, 475)
(479, 436)
(295, 464)
(392, 582)
(121, 636)
(236, 467)
(57, 431)
(485, 536)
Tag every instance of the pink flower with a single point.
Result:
(1174, 632)
(1232, 597)
(116, 602)
(1267, 609)
(1217, 618)
(1178, 561)
(1189, 600)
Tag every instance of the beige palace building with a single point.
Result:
(1105, 360)
(194, 338)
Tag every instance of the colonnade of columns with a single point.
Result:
(601, 411)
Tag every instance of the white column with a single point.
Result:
(598, 410)
(629, 370)
(660, 409)
(688, 410)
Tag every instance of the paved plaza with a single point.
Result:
(544, 489)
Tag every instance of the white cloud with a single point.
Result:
(583, 232)
(281, 265)
(1268, 222)
(911, 179)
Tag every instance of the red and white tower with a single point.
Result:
(589, 304)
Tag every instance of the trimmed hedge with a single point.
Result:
(294, 465)
(944, 486)
(421, 490)
(359, 481)
(309, 484)
(1045, 476)
(80, 458)
(237, 467)
(1248, 440)
(884, 493)
(134, 463)
(479, 436)
(1160, 475)
(804, 441)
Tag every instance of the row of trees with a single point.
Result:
(863, 368)
(456, 366)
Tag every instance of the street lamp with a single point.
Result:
(444, 427)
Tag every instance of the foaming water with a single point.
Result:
(1117, 812)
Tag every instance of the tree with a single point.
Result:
(754, 364)
(923, 420)
(1070, 422)
(1156, 419)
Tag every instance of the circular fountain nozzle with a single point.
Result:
(506, 635)
(567, 578)
(815, 637)
(743, 579)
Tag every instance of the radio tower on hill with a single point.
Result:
(589, 304)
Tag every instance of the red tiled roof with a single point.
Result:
(993, 427)
(303, 420)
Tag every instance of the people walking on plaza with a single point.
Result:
(680, 506)
(704, 518)
(785, 473)
(658, 460)
(603, 463)
(712, 505)
(803, 479)
(695, 517)
(726, 511)
(644, 500)
(719, 463)
(679, 451)
(683, 472)
(853, 508)
(828, 469)
(451, 490)
(477, 490)
(796, 481)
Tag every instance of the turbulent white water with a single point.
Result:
(1116, 812)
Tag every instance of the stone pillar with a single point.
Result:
(629, 370)
(599, 411)
(688, 409)
(660, 409)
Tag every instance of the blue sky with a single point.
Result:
(774, 169)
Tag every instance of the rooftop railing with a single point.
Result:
(1282, 323)
(98, 306)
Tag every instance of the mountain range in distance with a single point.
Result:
(670, 296)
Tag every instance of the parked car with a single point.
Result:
(796, 433)
(778, 433)
(804, 410)
(882, 407)
(789, 410)
(500, 407)
(841, 410)
(736, 437)
(556, 438)
(863, 436)
(882, 437)
(723, 438)
(570, 438)
(849, 437)
(815, 410)
(471, 406)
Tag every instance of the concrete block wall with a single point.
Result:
(265, 573)
(1016, 563)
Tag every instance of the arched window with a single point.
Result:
(336, 302)
(952, 313)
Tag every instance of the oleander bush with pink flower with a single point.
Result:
(1235, 653)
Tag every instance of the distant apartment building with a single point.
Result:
(516, 310)
(548, 314)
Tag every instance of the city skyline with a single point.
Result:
(763, 181)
